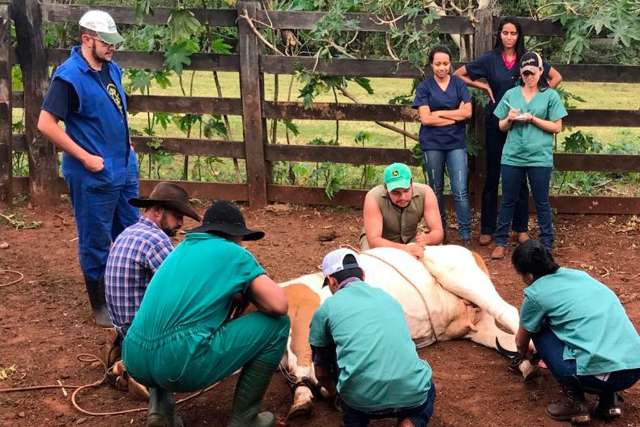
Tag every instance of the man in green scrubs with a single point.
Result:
(361, 343)
(184, 337)
(580, 330)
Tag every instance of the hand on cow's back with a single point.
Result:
(415, 250)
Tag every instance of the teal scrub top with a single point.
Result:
(527, 144)
(379, 367)
(587, 316)
(193, 287)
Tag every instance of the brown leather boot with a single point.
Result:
(485, 239)
(499, 252)
(572, 408)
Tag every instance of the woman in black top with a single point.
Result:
(500, 68)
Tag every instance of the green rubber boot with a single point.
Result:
(252, 385)
(162, 409)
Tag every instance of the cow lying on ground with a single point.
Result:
(447, 295)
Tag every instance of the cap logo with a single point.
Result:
(395, 173)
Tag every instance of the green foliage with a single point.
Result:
(178, 54)
(618, 20)
(568, 98)
(579, 142)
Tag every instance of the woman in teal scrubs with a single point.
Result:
(581, 331)
(531, 113)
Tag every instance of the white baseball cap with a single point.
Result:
(103, 24)
(334, 261)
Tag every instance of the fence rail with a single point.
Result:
(252, 63)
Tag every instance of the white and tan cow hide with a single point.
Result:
(447, 295)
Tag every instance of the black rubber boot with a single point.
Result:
(573, 408)
(162, 409)
(608, 407)
(252, 385)
(95, 291)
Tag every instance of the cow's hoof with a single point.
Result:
(528, 370)
(302, 403)
(304, 410)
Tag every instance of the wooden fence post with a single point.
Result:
(251, 92)
(482, 42)
(5, 104)
(43, 159)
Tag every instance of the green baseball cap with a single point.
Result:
(397, 175)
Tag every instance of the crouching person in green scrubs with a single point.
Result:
(580, 330)
(184, 337)
(361, 343)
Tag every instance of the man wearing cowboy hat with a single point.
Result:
(134, 258)
(140, 249)
(184, 337)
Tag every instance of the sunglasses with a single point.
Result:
(527, 73)
(109, 45)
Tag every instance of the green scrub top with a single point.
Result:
(587, 316)
(527, 144)
(379, 367)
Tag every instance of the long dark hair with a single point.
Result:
(519, 47)
(534, 258)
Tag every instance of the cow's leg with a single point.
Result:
(303, 302)
(488, 334)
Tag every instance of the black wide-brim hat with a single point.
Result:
(225, 217)
(169, 196)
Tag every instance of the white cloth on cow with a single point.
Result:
(456, 270)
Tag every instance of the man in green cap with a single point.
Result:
(393, 210)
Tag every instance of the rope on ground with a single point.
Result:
(13, 282)
(91, 358)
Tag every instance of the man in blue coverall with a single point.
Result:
(98, 164)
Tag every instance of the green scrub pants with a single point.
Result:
(193, 358)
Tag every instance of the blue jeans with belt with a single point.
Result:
(551, 349)
(456, 162)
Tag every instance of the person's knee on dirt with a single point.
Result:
(98, 163)
(364, 330)
(393, 211)
(580, 330)
(183, 337)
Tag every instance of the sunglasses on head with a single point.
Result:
(527, 73)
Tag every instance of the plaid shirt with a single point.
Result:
(133, 259)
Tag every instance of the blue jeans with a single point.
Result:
(539, 179)
(456, 161)
(494, 142)
(102, 211)
(419, 415)
(551, 349)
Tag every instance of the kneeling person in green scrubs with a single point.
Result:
(361, 344)
(184, 337)
(580, 330)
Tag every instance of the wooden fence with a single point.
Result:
(252, 63)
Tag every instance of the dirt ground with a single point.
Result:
(45, 323)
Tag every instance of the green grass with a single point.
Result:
(596, 95)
